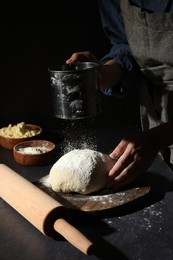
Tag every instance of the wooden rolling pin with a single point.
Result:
(41, 210)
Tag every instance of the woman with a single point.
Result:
(141, 34)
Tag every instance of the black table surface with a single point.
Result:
(141, 230)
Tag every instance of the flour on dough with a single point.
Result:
(81, 170)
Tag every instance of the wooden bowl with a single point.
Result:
(34, 152)
(10, 142)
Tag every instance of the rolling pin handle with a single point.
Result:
(74, 236)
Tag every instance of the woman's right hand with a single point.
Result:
(82, 56)
(110, 73)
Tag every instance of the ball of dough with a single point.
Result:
(81, 170)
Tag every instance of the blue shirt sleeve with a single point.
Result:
(114, 29)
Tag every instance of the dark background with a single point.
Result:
(36, 35)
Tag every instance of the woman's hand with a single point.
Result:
(135, 155)
(110, 73)
(82, 56)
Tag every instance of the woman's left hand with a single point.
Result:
(134, 155)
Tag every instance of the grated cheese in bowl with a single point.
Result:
(20, 130)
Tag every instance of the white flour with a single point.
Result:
(33, 150)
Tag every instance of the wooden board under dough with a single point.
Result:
(103, 200)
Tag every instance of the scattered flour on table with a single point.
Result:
(108, 221)
(150, 217)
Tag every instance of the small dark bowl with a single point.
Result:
(34, 152)
(10, 142)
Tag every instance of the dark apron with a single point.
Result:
(150, 37)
